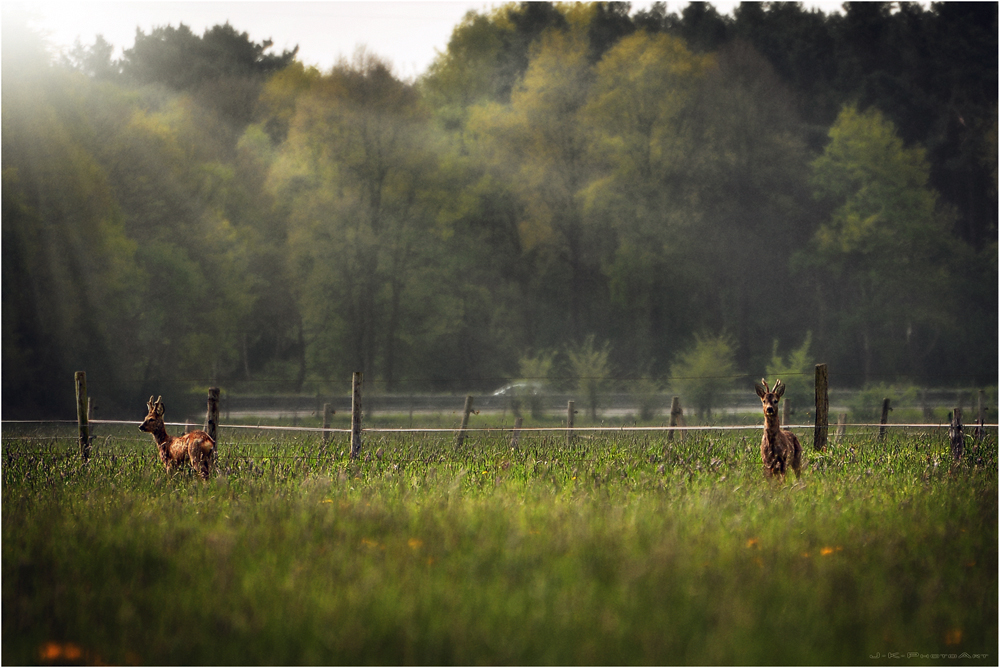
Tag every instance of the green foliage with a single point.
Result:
(881, 190)
(624, 549)
(353, 173)
(866, 405)
(536, 367)
(703, 371)
(223, 68)
(886, 250)
(70, 270)
(203, 211)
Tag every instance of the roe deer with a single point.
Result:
(778, 448)
(195, 446)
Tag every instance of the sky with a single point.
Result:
(408, 33)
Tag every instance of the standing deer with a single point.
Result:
(195, 446)
(778, 448)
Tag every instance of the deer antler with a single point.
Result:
(779, 388)
(764, 383)
(149, 404)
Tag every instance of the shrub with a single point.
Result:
(704, 371)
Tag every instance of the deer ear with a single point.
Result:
(761, 390)
(779, 388)
(159, 406)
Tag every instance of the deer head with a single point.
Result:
(769, 397)
(154, 418)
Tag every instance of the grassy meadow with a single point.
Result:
(622, 548)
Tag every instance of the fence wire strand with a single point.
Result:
(506, 429)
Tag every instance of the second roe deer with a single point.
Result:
(778, 448)
(197, 447)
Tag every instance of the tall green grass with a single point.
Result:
(619, 549)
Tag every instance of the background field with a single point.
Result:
(622, 548)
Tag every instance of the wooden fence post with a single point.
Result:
(884, 419)
(822, 408)
(676, 417)
(82, 408)
(460, 437)
(356, 415)
(570, 412)
(327, 412)
(212, 414)
(518, 421)
(957, 438)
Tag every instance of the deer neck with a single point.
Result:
(772, 424)
(159, 433)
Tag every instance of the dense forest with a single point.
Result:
(566, 182)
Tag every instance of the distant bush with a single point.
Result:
(866, 405)
(703, 372)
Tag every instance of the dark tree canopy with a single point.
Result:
(223, 67)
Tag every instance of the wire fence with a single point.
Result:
(500, 429)
(244, 445)
(551, 414)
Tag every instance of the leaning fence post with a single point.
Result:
(82, 406)
(884, 419)
(327, 412)
(822, 408)
(356, 415)
(676, 417)
(460, 437)
(212, 413)
(570, 412)
(957, 439)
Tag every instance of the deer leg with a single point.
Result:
(196, 457)
(797, 458)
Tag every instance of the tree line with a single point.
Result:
(566, 182)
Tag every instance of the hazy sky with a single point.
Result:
(409, 33)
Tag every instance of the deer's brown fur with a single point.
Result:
(197, 447)
(778, 448)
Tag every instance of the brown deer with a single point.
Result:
(778, 448)
(195, 446)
